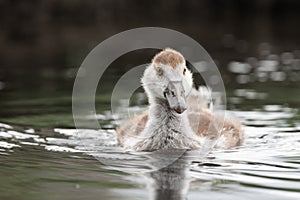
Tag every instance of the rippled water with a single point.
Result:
(43, 157)
(55, 163)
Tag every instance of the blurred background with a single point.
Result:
(255, 44)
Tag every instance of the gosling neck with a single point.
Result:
(165, 120)
(166, 129)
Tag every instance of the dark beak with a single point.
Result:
(175, 96)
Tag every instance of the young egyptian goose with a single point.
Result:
(178, 116)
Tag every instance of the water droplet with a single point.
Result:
(264, 49)
(273, 57)
(214, 79)
(71, 73)
(278, 76)
(262, 76)
(200, 66)
(242, 79)
(296, 64)
(272, 108)
(287, 58)
(239, 68)
(268, 65)
(252, 61)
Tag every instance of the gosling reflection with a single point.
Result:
(170, 182)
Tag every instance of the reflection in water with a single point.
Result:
(267, 163)
(273, 131)
(166, 171)
(171, 182)
(273, 67)
(41, 46)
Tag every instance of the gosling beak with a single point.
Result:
(175, 96)
(179, 109)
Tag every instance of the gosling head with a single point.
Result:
(167, 77)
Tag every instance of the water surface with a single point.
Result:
(53, 163)
(43, 156)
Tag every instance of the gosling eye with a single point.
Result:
(184, 71)
(166, 92)
(173, 93)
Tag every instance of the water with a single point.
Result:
(53, 162)
(255, 45)
(42, 156)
